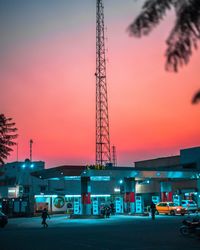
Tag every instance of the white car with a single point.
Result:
(189, 205)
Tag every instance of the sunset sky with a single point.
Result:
(47, 83)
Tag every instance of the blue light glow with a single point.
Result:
(116, 190)
(32, 166)
(134, 173)
(46, 196)
(121, 181)
(72, 178)
(100, 195)
(23, 166)
(100, 178)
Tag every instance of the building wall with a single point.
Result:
(184, 185)
(74, 187)
(104, 187)
(18, 175)
(190, 156)
(152, 187)
(64, 186)
(159, 162)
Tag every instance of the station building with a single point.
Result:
(27, 187)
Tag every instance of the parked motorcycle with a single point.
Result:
(190, 228)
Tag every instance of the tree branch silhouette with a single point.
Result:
(184, 36)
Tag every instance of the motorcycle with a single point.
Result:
(190, 228)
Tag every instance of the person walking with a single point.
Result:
(153, 210)
(44, 218)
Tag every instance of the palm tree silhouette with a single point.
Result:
(7, 135)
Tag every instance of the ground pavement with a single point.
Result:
(118, 232)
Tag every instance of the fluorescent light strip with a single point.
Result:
(116, 189)
(74, 178)
(46, 196)
(11, 191)
(100, 195)
(100, 178)
(92, 195)
(71, 196)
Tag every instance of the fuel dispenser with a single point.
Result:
(77, 205)
(95, 206)
(119, 205)
(155, 199)
(177, 199)
(139, 204)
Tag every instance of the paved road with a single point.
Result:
(118, 232)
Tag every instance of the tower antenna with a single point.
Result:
(103, 156)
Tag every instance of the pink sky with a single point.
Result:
(47, 84)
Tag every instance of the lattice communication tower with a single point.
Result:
(103, 156)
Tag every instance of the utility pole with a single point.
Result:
(103, 156)
(31, 142)
(114, 156)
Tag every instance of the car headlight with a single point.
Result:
(178, 209)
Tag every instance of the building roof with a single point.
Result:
(58, 172)
(115, 172)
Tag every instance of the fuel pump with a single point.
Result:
(77, 205)
(139, 204)
(119, 205)
(95, 206)
(177, 199)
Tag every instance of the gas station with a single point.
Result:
(28, 187)
(86, 189)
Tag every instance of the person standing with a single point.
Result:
(44, 218)
(108, 212)
(112, 208)
(153, 210)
